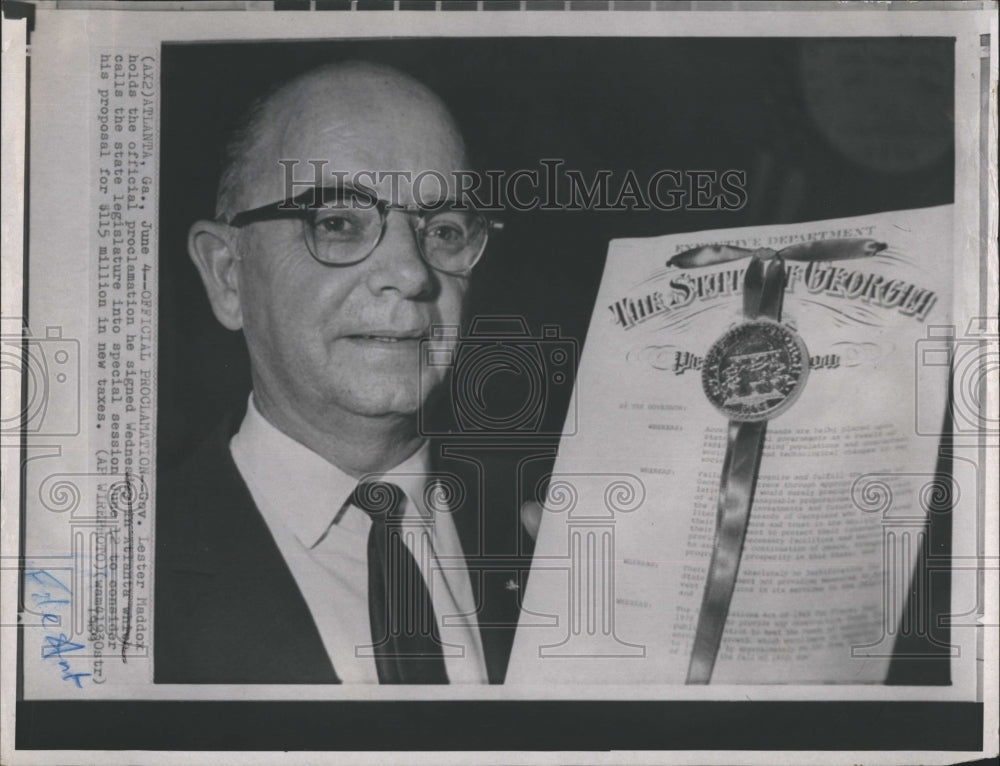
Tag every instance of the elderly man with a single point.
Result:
(321, 539)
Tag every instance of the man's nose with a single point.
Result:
(396, 264)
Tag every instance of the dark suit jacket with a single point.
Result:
(227, 609)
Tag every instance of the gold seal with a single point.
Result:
(755, 371)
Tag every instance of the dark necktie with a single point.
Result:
(405, 639)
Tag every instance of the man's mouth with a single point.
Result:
(388, 337)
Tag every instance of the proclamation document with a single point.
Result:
(845, 481)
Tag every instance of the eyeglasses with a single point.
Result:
(343, 226)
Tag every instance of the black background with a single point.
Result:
(610, 103)
(617, 104)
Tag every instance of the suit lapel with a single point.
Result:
(237, 614)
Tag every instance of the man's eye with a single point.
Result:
(446, 233)
(339, 225)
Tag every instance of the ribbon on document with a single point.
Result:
(816, 250)
(753, 373)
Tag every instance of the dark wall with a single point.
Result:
(822, 128)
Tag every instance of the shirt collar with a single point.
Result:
(307, 490)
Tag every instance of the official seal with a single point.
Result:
(755, 371)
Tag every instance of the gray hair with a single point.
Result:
(244, 139)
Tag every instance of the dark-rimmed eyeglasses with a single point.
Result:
(343, 226)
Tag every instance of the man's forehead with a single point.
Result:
(361, 121)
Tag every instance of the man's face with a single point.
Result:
(328, 341)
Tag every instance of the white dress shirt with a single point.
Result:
(302, 497)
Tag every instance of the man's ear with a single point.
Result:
(212, 250)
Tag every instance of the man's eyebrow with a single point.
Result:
(348, 187)
(340, 188)
(437, 203)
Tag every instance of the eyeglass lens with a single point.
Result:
(346, 229)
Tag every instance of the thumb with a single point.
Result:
(531, 517)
